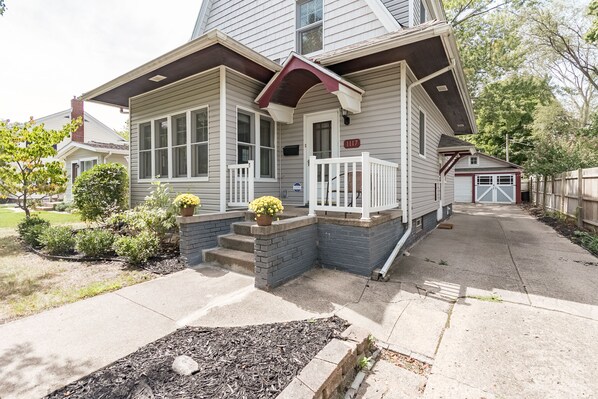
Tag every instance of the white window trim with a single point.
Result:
(477, 161)
(256, 126)
(423, 156)
(308, 27)
(171, 179)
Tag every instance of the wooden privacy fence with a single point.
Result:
(573, 193)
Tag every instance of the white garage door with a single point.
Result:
(463, 188)
(495, 189)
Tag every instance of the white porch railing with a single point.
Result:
(359, 184)
(241, 184)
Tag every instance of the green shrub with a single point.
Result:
(95, 243)
(156, 214)
(137, 249)
(101, 191)
(63, 207)
(58, 240)
(588, 241)
(31, 228)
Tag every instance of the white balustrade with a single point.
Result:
(241, 184)
(359, 184)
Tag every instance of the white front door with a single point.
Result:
(495, 189)
(321, 131)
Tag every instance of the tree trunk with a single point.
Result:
(25, 207)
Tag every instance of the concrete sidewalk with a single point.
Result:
(541, 341)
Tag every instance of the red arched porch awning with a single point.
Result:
(297, 76)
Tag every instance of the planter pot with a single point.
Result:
(264, 220)
(188, 211)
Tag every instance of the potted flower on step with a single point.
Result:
(265, 209)
(187, 203)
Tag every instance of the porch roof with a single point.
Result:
(426, 48)
(450, 144)
(297, 76)
(206, 52)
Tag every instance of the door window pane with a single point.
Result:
(484, 180)
(505, 180)
(322, 136)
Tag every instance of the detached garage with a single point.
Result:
(486, 179)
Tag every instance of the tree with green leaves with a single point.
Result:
(558, 147)
(507, 107)
(26, 168)
(592, 33)
(487, 34)
(2, 7)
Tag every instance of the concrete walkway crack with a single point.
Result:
(145, 307)
(513, 260)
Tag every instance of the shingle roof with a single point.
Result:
(109, 146)
(447, 141)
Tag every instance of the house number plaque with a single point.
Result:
(352, 143)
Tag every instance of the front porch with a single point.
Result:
(354, 186)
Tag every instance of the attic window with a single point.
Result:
(310, 33)
(473, 160)
(157, 78)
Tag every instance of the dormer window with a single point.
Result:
(473, 161)
(310, 33)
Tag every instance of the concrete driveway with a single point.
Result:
(439, 306)
(524, 323)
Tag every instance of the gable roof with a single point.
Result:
(102, 148)
(447, 141)
(88, 117)
(381, 12)
(511, 164)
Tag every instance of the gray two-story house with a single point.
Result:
(345, 108)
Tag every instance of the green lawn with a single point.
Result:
(10, 218)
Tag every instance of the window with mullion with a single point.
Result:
(309, 26)
(161, 148)
(179, 145)
(199, 143)
(145, 150)
(267, 147)
(245, 138)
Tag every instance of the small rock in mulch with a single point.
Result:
(184, 365)
(241, 362)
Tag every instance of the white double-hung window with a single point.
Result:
(260, 148)
(310, 30)
(174, 147)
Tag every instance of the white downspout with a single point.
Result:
(407, 132)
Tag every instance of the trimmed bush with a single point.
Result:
(63, 207)
(137, 249)
(101, 191)
(58, 240)
(95, 243)
(31, 228)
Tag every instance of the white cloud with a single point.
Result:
(54, 50)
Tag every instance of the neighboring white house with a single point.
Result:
(92, 143)
(335, 105)
(486, 179)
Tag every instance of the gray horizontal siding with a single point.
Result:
(189, 94)
(377, 126)
(399, 9)
(425, 170)
(269, 27)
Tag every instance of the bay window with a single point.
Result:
(174, 147)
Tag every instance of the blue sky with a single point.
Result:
(53, 50)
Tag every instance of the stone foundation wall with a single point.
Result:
(284, 250)
(201, 232)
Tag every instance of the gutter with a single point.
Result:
(384, 271)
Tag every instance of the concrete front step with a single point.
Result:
(243, 228)
(237, 242)
(234, 260)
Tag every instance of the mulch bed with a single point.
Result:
(241, 362)
(165, 265)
